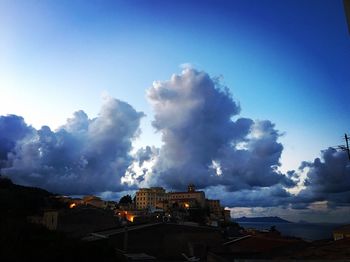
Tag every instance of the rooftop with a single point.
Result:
(342, 229)
(186, 192)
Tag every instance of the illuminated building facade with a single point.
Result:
(191, 198)
(150, 197)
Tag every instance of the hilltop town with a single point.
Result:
(149, 205)
(82, 216)
(155, 225)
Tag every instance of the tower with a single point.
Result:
(191, 188)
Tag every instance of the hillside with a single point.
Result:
(23, 241)
(16, 200)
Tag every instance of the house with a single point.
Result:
(341, 232)
(77, 221)
(95, 201)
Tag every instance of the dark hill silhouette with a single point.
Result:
(23, 241)
(261, 219)
(16, 200)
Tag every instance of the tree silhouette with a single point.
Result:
(125, 200)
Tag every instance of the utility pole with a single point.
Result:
(346, 147)
(347, 12)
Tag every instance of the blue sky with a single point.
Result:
(285, 61)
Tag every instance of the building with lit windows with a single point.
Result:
(158, 198)
(189, 199)
(150, 197)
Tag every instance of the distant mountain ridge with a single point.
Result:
(261, 219)
(303, 222)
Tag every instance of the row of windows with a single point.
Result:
(146, 203)
(154, 195)
(149, 198)
(147, 193)
(182, 196)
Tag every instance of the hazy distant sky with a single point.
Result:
(285, 61)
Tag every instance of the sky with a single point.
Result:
(108, 66)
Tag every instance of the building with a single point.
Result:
(166, 242)
(77, 221)
(191, 198)
(214, 207)
(129, 215)
(156, 197)
(95, 201)
(50, 219)
(111, 205)
(257, 247)
(227, 214)
(151, 197)
(341, 232)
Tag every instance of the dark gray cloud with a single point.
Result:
(327, 179)
(83, 156)
(256, 164)
(271, 196)
(12, 129)
(327, 183)
(137, 173)
(204, 144)
(204, 141)
(145, 154)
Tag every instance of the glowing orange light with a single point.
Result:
(131, 218)
(187, 205)
(73, 205)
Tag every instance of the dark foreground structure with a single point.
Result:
(91, 234)
(168, 241)
(174, 242)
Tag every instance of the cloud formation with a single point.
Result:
(271, 196)
(327, 179)
(12, 129)
(204, 144)
(327, 184)
(83, 156)
(204, 141)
